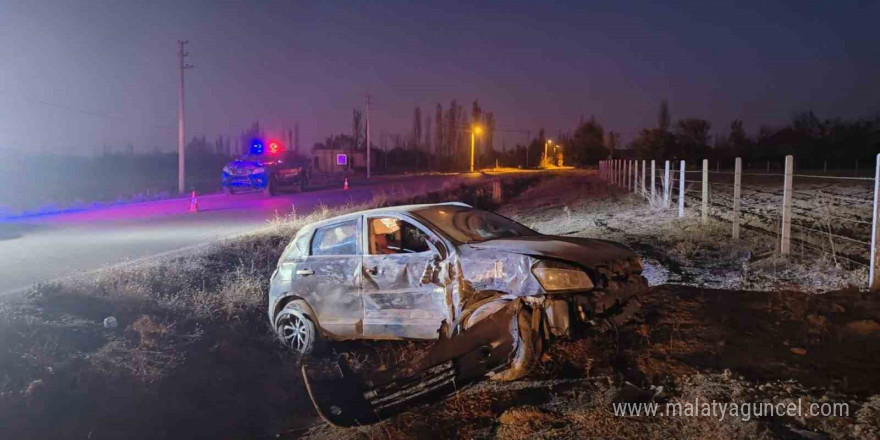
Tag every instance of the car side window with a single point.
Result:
(338, 239)
(389, 235)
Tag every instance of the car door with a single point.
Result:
(330, 278)
(403, 297)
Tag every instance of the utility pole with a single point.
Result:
(368, 136)
(296, 137)
(181, 158)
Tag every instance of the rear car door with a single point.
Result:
(330, 278)
(402, 296)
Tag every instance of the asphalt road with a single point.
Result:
(49, 247)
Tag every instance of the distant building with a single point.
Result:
(336, 160)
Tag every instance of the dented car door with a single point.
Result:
(330, 278)
(404, 295)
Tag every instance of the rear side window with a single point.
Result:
(297, 248)
(338, 239)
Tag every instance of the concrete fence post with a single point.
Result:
(785, 246)
(666, 186)
(704, 208)
(653, 180)
(825, 167)
(737, 194)
(617, 165)
(635, 176)
(630, 183)
(628, 173)
(644, 166)
(620, 164)
(874, 271)
(681, 190)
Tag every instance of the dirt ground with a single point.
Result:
(194, 358)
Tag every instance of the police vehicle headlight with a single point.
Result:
(259, 170)
(226, 170)
(556, 276)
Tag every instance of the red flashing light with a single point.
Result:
(274, 147)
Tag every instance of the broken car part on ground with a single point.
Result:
(491, 290)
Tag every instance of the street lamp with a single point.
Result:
(475, 130)
(547, 144)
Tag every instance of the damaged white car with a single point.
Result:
(490, 290)
(426, 271)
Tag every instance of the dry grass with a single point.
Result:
(192, 354)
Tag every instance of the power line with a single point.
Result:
(74, 109)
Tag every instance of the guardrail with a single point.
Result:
(837, 215)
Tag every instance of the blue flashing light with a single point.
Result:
(257, 147)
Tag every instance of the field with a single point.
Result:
(831, 214)
(193, 357)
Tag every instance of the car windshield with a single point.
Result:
(469, 225)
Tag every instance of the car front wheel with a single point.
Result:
(296, 330)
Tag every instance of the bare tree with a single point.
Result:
(663, 119)
(428, 138)
(452, 131)
(476, 113)
(440, 138)
(356, 117)
(417, 127)
(489, 121)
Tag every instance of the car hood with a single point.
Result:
(586, 252)
(243, 165)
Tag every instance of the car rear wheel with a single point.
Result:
(228, 191)
(296, 330)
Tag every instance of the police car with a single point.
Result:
(270, 169)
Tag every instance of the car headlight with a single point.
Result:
(259, 170)
(556, 276)
(226, 170)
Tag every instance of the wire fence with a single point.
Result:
(813, 211)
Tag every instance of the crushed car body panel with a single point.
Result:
(345, 399)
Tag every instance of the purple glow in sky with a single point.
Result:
(76, 75)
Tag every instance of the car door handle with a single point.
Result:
(305, 272)
(373, 270)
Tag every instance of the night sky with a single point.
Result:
(79, 74)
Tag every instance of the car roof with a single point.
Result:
(383, 210)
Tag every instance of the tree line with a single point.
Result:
(813, 141)
(438, 141)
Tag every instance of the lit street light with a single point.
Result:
(547, 144)
(475, 130)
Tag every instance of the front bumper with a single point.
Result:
(253, 181)
(614, 303)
